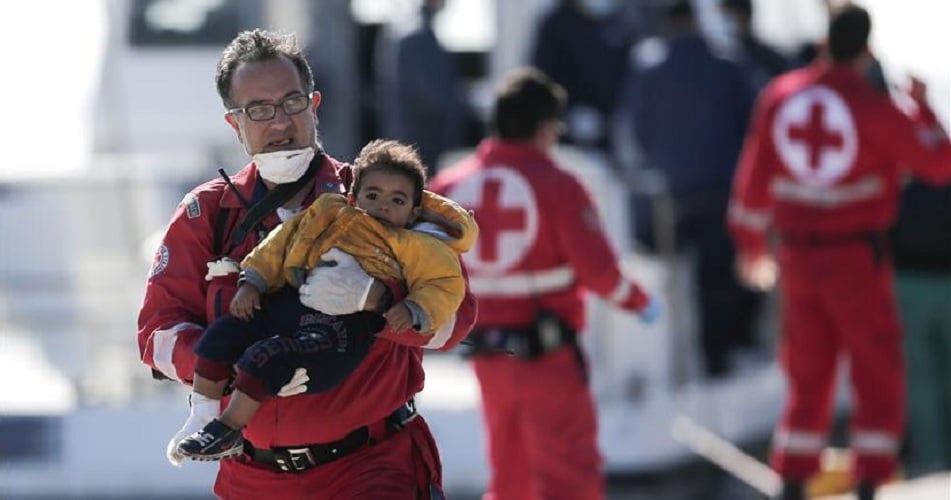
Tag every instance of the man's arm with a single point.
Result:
(173, 314)
(344, 288)
(750, 208)
(916, 139)
(592, 258)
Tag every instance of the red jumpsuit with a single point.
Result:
(179, 303)
(540, 246)
(821, 167)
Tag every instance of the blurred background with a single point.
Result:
(131, 122)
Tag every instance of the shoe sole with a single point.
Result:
(215, 457)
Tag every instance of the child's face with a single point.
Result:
(388, 197)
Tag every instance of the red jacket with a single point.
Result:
(179, 303)
(824, 156)
(540, 243)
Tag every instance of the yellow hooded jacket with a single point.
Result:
(429, 266)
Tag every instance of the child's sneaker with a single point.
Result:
(215, 441)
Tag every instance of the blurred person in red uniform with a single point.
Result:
(821, 168)
(363, 438)
(541, 247)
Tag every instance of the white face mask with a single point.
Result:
(283, 167)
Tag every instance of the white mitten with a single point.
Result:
(338, 285)
(221, 267)
(296, 385)
(203, 410)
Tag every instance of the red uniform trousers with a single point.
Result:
(838, 304)
(402, 466)
(542, 428)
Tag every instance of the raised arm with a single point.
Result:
(916, 138)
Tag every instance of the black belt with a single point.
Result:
(547, 334)
(301, 458)
(819, 240)
(877, 241)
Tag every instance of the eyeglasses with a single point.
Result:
(264, 112)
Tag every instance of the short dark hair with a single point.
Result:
(743, 7)
(393, 157)
(679, 10)
(256, 46)
(524, 101)
(848, 33)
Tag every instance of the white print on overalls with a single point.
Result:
(815, 136)
(502, 195)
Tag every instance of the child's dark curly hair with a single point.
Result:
(394, 157)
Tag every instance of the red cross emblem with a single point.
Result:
(495, 219)
(505, 208)
(815, 136)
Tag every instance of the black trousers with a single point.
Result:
(285, 335)
(728, 310)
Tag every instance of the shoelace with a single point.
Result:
(204, 438)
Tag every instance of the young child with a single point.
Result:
(272, 335)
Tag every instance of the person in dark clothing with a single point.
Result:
(418, 78)
(689, 113)
(761, 61)
(584, 47)
(921, 246)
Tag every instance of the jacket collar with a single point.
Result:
(248, 185)
(494, 147)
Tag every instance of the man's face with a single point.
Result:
(271, 82)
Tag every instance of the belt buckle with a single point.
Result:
(495, 338)
(410, 407)
(517, 346)
(403, 415)
(407, 413)
(300, 459)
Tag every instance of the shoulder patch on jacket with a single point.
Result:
(192, 208)
(160, 261)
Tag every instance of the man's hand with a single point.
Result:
(338, 285)
(297, 384)
(758, 272)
